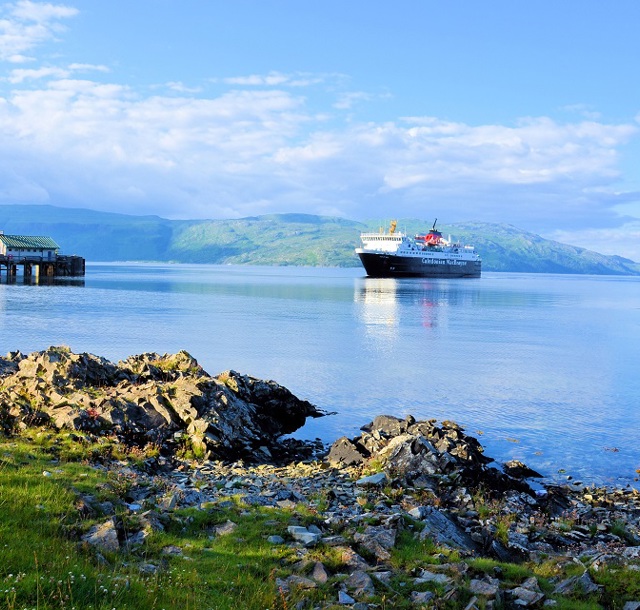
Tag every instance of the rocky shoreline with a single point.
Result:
(218, 438)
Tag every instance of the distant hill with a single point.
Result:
(283, 239)
(98, 236)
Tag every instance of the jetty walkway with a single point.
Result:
(59, 265)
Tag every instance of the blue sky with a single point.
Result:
(500, 111)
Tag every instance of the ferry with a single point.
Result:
(395, 254)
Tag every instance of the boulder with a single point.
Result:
(487, 587)
(518, 470)
(377, 540)
(444, 532)
(149, 398)
(374, 480)
(423, 454)
(343, 452)
(319, 573)
(360, 584)
(103, 537)
(582, 584)
(303, 535)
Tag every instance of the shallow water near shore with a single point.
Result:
(540, 368)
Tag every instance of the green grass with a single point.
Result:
(620, 585)
(513, 574)
(411, 553)
(44, 565)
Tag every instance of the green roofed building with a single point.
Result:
(36, 255)
(28, 247)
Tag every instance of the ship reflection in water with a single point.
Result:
(384, 300)
(379, 305)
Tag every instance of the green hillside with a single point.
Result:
(507, 248)
(284, 239)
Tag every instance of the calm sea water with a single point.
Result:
(541, 368)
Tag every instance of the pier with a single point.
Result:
(38, 257)
(33, 266)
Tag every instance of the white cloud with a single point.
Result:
(28, 24)
(275, 79)
(86, 142)
(88, 68)
(583, 110)
(15, 58)
(269, 80)
(346, 101)
(182, 88)
(278, 142)
(41, 11)
(20, 75)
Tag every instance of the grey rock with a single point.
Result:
(137, 539)
(334, 540)
(351, 559)
(345, 599)
(256, 500)
(226, 528)
(384, 577)
(374, 480)
(526, 597)
(388, 425)
(444, 531)
(631, 552)
(360, 584)
(518, 470)
(286, 504)
(583, 584)
(518, 543)
(192, 498)
(472, 604)
(426, 576)
(486, 588)
(151, 521)
(275, 539)
(419, 512)
(319, 573)
(422, 597)
(377, 540)
(302, 534)
(167, 502)
(103, 537)
(231, 416)
(344, 453)
(300, 582)
(107, 508)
